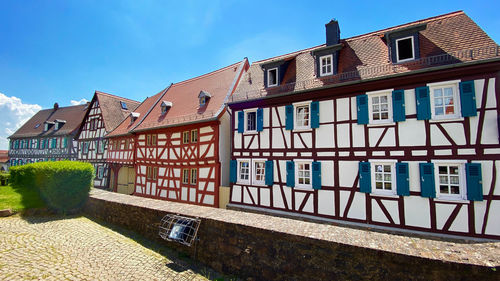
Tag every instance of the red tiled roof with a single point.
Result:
(184, 97)
(4, 156)
(73, 115)
(111, 109)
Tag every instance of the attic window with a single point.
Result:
(37, 125)
(124, 105)
(134, 116)
(405, 49)
(59, 124)
(47, 125)
(204, 97)
(272, 77)
(165, 106)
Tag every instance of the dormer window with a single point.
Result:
(405, 49)
(326, 65)
(165, 106)
(47, 125)
(134, 116)
(123, 105)
(403, 43)
(59, 124)
(272, 77)
(203, 98)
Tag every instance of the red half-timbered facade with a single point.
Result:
(397, 128)
(104, 113)
(179, 155)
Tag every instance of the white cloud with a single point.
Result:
(13, 114)
(78, 102)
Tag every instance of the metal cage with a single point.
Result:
(179, 229)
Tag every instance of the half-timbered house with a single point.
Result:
(181, 142)
(47, 136)
(104, 113)
(396, 128)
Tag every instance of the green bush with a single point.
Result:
(63, 185)
(4, 178)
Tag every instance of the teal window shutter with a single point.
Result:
(474, 181)
(468, 98)
(398, 106)
(365, 178)
(315, 114)
(362, 106)
(289, 117)
(232, 171)
(65, 144)
(290, 173)
(241, 121)
(316, 175)
(269, 173)
(54, 143)
(260, 119)
(423, 103)
(38, 144)
(402, 179)
(427, 183)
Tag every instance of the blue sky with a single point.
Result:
(62, 51)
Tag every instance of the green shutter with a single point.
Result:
(269, 173)
(468, 98)
(365, 179)
(241, 121)
(260, 119)
(402, 179)
(423, 103)
(315, 114)
(398, 105)
(427, 183)
(474, 181)
(289, 117)
(316, 175)
(232, 171)
(290, 173)
(65, 143)
(362, 108)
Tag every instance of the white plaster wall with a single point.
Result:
(265, 196)
(343, 109)
(411, 132)
(343, 137)
(277, 197)
(327, 173)
(417, 211)
(326, 112)
(326, 202)
(491, 100)
(349, 172)
(461, 222)
(224, 148)
(325, 136)
(490, 130)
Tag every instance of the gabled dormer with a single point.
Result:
(165, 106)
(134, 116)
(47, 125)
(326, 58)
(204, 97)
(403, 43)
(274, 71)
(58, 124)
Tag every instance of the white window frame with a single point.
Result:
(462, 180)
(321, 73)
(194, 136)
(454, 84)
(297, 163)
(412, 48)
(239, 180)
(392, 163)
(245, 113)
(296, 126)
(100, 172)
(386, 92)
(268, 72)
(254, 172)
(185, 140)
(185, 171)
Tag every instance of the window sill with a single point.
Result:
(250, 132)
(384, 195)
(452, 119)
(449, 200)
(302, 130)
(381, 124)
(306, 188)
(242, 183)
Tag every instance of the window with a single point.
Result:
(272, 77)
(148, 140)
(100, 146)
(194, 176)
(259, 175)
(185, 137)
(244, 171)
(383, 177)
(149, 173)
(100, 172)
(56, 127)
(85, 147)
(405, 50)
(185, 176)
(302, 117)
(380, 106)
(251, 121)
(127, 144)
(202, 101)
(153, 140)
(164, 109)
(445, 100)
(303, 174)
(123, 105)
(450, 180)
(194, 136)
(155, 173)
(325, 65)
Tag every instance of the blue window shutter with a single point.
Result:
(427, 184)
(241, 121)
(402, 179)
(398, 106)
(316, 175)
(289, 117)
(269, 173)
(423, 103)
(365, 178)
(290, 173)
(65, 142)
(474, 181)
(362, 102)
(260, 119)
(468, 98)
(315, 114)
(232, 171)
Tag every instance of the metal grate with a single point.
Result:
(179, 229)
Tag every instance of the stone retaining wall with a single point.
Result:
(260, 247)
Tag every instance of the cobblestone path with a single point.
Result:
(77, 248)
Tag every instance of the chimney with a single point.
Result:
(332, 32)
(56, 106)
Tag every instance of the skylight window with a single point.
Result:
(124, 105)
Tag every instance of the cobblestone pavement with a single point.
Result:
(77, 248)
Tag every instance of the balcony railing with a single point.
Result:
(369, 72)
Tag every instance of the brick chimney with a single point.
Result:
(332, 32)
(56, 106)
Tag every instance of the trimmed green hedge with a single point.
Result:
(63, 185)
(4, 178)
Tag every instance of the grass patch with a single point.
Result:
(19, 199)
